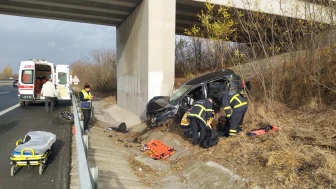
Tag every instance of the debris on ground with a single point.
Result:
(145, 172)
(263, 130)
(121, 128)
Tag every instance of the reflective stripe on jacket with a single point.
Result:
(86, 97)
(232, 100)
(86, 94)
(201, 110)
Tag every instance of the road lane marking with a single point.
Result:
(4, 92)
(9, 109)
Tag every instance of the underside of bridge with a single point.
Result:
(104, 12)
(146, 32)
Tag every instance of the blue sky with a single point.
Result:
(60, 42)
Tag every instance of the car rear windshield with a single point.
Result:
(27, 76)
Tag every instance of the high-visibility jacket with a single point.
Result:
(86, 97)
(232, 100)
(201, 110)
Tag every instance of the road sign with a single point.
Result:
(75, 80)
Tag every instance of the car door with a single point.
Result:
(190, 97)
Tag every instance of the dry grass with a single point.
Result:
(303, 155)
(109, 100)
(143, 171)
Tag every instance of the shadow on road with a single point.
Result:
(7, 126)
(57, 147)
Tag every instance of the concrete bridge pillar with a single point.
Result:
(146, 54)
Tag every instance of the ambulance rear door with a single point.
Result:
(63, 82)
(26, 81)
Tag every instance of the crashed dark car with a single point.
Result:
(160, 109)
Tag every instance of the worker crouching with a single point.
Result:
(235, 107)
(199, 127)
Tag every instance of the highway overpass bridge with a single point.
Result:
(146, 32)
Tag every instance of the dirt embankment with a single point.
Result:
(302, 155)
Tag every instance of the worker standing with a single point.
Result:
(49, 93)
(235, 107)
(85, 98)
(198, 115)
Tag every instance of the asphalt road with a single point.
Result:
(8, 97)
(14, 125)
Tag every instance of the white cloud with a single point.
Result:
(23, 38)
(51, 44)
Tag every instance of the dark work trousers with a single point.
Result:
(211, 138)
(47, 98)
(87, 117)
(187, 131)
(237, 119)
(223, 128)
(197, 126)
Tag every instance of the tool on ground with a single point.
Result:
(263, 130)
(157, 150)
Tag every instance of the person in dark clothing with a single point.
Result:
(235, 107)
(223, 126)
(198, 115)
(85, 98)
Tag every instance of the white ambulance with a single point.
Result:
(34, 73)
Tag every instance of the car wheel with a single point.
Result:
(66, 117)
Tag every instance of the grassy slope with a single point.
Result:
(303, 155)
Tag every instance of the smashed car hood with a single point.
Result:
(158, 103)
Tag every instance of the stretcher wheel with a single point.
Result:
(12, 171)
(41, 169)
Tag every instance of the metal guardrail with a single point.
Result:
(4, 81)
(88, 177)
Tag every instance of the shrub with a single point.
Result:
(100, 70)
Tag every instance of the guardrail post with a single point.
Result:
(94, 177)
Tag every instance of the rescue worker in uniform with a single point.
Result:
(198, 115)
(85, 98)
(235, 107)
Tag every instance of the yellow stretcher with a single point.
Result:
(28, 157)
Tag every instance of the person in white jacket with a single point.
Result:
(49, 92)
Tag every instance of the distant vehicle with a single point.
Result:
(31, 77)
(15, 83)
(161, 108)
